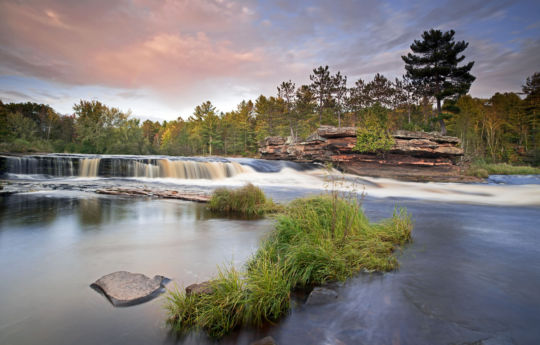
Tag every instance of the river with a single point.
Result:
(472, 272)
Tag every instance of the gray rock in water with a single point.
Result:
(125, 288)
(321, 295)
(265, 341)
(202, 288)
(496, 340)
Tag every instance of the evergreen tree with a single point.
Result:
(340, 93)
(531, 89)
(286, 91)
(321, 86)
(434, 65)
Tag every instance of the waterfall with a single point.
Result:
(186, 169)
(89, 167)
(198, 170)
(56, 165)
(37, 165)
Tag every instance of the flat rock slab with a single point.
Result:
(125, 288)
(321, 295)
(165, 194)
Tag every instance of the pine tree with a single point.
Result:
(339, 90)
(321, 86)
(286, 91)
(434, 66)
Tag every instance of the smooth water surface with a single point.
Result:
(472, 273)
(54, 245)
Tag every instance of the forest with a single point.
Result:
(502, 128)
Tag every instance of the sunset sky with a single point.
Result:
(162, 58)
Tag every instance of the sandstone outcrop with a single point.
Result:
(418, 156)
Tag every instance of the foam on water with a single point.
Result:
(212, 172)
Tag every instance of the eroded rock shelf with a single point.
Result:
(417, 156)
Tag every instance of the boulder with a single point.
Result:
(433, 136)
(125, 288)
(336, 132)
(321, 295)
(202, 288)
(274, 141)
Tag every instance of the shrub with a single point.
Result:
(248, 200)
(373, 137)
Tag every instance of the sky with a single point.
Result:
(159, 59)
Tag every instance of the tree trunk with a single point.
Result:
(441, 121)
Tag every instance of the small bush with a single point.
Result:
(477, 172)
(373, 137)
(248, 200)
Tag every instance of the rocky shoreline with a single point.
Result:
(415, 156)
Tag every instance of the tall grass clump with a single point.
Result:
(248, 200)
(316, 240)
(327, 238)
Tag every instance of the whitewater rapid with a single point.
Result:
(208, 173)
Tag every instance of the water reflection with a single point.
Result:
(470, 274)
(52, 246)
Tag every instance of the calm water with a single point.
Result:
(473, 272)
(52, 246)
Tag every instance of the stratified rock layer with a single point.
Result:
(125, 288)
(414, 156)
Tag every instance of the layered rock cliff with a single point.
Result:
(414, 156)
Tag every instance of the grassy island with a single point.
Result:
(248, 201)
(316, 240)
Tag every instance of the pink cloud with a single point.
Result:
(169, 44)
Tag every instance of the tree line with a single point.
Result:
(503, 128)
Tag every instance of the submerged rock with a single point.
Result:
(265, 341)
(321, 295)
(202, 288)
(496, 340)
(125, 288)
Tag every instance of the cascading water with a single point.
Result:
(206, 173)
(120, 166)
(38, 165)
(89, 167)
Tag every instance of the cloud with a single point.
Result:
(10, 96)
(500, 69)
(180, 53)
